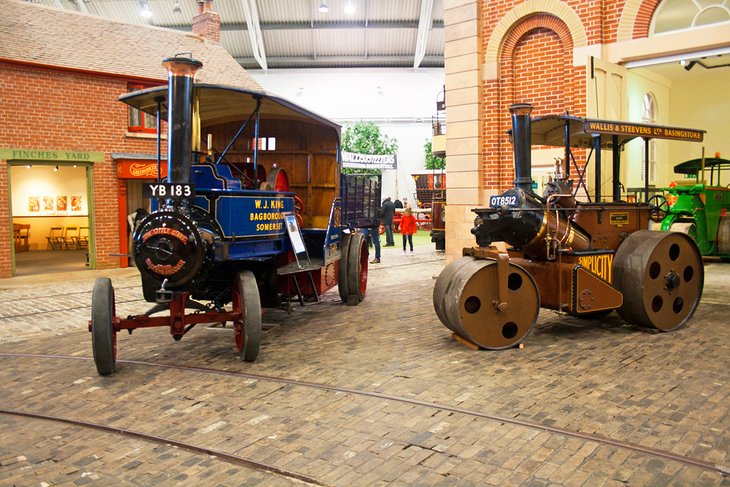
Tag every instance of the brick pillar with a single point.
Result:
(462, 58)
(207, 24)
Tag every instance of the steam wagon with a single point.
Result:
(581, 258)
(254, 211)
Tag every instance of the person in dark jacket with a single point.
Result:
(386, 218)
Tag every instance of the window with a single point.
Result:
(674, 15)
(140, 121)
(265, 143)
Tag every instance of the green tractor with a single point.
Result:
(700, 210)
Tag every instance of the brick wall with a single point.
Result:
(536, 65)
(62, 110)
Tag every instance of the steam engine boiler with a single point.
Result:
(575, 257)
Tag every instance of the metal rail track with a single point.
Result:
(666, 455)
(225, 457)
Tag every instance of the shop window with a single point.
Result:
(140, 121)
(674, 15)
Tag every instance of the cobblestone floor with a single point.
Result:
(664, 391)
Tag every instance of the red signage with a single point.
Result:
(139, 169)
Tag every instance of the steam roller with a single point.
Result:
(580, 258)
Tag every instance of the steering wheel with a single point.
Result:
(659, 207)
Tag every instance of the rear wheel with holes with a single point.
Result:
(661, 277)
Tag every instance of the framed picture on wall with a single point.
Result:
(61, 203)
(34, 204)
(49, 204)
(76, 203)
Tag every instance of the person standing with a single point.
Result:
(374, 234)
(386, 217)
(408, 227)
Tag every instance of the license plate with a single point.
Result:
(497, 201)
(169, 190)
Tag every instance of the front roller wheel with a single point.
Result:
(103, 335)
(442, 289)
(247, 303)
(661, 276)
(469, 306)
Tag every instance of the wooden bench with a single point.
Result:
(21, 234)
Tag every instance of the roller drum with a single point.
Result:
(466, 301)
(661, 276)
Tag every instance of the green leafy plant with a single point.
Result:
(366, 138)
(433, 162)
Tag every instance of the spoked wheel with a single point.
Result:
(659, 207)
(247, 329)
(661, 276)
(103, 335)
(357, 268)
(465, 299)
(342, 266)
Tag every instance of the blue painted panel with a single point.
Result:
(225, 172)
(203, 176)
(253, 216)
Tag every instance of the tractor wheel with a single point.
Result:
(247, 303)
(103, 335)
(342, 266)
(357, 269)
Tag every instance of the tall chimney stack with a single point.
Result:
(207, 24)
(180, 84)
(522, 145)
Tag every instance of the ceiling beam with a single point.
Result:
(436, 24)
(424, 26)
(342, 61)
(253, 22)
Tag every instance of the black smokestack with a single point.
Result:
(180, 74)
(522, 144)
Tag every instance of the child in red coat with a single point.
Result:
(408, 227)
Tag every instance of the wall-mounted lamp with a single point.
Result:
(323, 8)
(27, 166)
(145, 10)
(55, 168)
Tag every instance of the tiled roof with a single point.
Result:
(48, 36)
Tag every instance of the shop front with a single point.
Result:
(133, 172)
(50, 209)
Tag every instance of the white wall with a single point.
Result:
(400, 100)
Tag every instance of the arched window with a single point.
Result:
(686, 14)
(649, 115)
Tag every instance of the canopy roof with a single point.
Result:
(221, 104)
(550, 130)
(695, 165)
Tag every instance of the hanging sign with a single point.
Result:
(369, 161)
